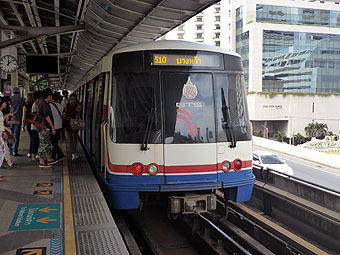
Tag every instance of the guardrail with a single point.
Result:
(313, 192)
(308, 208)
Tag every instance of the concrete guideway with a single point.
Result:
(295, 151)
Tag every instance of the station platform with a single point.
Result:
(58, 210)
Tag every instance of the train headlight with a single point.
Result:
(152, 169)
(137, 169)
(237, 164)
(226, 166)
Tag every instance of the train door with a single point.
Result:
(189, 128)
(88, 115)
(97, 119)
(83, 104)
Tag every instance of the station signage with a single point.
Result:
(39, 83)
(36, 216)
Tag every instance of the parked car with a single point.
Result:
(271, 161)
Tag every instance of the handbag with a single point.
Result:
(77, 124)
(36, 119)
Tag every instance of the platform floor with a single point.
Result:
(58, 210)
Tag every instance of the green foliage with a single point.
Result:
(330, 133)
(298, 139)
(280, 137)
(315, 129)
(259, 134)
(272, 94)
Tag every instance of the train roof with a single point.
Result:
(173, 44)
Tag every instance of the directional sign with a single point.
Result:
(32, 251)
(39, 83)
(42, 192)
(45, 184)
(36, 216)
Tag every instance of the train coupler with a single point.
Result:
(192, 203)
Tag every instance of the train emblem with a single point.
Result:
(189, 90)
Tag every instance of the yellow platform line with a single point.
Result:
(70, 240)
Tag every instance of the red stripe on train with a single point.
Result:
(176, 169)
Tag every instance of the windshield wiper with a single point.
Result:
(230, 132)
(147, 133)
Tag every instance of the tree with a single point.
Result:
(310, 129)
(298, 139)
(279, 136)
(316, 129)
(322, 129)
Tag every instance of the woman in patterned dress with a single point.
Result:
(3, 104)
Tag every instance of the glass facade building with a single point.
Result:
(297, 61)
(242, 44)
(300, 61)
(305, 16)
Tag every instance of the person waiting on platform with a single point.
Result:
(17, 102)
(26, 111)
(72, 111)
(3, 129)
(64, 102)
(57, 110)
(8, 136)
(37, 99)
(44, 150)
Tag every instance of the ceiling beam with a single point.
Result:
(31, 33)
(4, 21)
(22, 23)
(41, 8)
(42, 43)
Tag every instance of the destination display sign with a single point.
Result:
(202, 60)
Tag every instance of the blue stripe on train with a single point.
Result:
(124, 190)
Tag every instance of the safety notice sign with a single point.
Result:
(36, 216)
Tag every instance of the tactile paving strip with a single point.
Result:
(90, 211)
(95, 229)
(98, 242)
(85, 184)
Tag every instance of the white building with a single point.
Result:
(291, 58)
(210, 27)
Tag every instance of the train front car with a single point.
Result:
(178, 125)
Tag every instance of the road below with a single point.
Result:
(311, 172)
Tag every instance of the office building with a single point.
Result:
(291, 58)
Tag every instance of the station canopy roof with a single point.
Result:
(81, 32)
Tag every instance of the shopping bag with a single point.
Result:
(36, 119)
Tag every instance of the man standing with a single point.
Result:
(64, 103)
(44, 150)
(57, 110)
(17, 103)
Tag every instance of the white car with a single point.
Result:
(270, 160)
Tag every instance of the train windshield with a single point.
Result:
(188, 108)
(137, 113)
(196, 108)
(231, 108)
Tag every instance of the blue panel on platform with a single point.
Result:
(36, 216)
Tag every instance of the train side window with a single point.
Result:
(112, 125)
(137, 107)
(231, 108)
